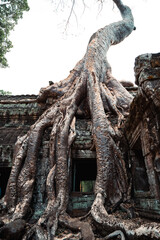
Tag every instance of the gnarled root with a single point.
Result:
(115, 234)
(130, 229)
(76, 225)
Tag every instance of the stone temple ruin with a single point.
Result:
(141, 130)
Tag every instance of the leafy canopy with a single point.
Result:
(10, 12)
(2, 92)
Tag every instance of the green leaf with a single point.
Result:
(10, 12)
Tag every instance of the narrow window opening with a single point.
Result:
(139, 169)
(84, 175)
(4, 176)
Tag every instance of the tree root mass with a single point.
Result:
(91, 90)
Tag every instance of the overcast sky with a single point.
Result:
(42, 52)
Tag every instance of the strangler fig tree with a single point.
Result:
(90, 82)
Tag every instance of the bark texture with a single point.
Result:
(90, 80)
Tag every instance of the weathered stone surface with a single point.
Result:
(147, 67)
(15, 120)
(83, 154)
(148, 207)
(143, 130)
(79, 204)
(84, 139)
(19, 114)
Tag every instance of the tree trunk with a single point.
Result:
(91, 79)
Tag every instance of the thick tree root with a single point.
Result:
(76, 225)
(131, 229)
(115, 234)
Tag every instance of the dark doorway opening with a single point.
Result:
(4, 176)
(84, 175)
(139, 169)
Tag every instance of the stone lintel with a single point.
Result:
(83, 154)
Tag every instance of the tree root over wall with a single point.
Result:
(91, 79)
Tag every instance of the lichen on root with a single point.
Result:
(91, 79)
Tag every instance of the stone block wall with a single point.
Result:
(15, 120)
(143, 134)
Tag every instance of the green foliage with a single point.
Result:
(2, 92)
(10, 12)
